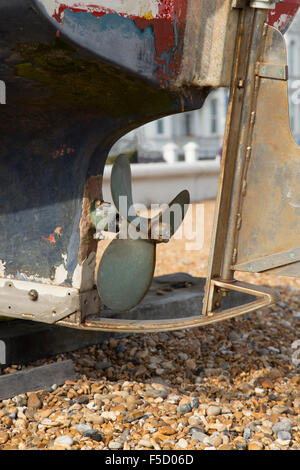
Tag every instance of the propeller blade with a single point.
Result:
(125, 273)
(170, 219)
(121, 187)
(162, 226)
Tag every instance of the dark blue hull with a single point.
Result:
(65, 108)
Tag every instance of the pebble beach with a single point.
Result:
(234, 385)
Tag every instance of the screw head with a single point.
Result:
(33, 295)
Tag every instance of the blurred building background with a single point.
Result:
(293, 52)
(198, 135)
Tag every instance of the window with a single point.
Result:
(213, 116)
(160, 127)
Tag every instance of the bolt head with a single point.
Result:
(33, 295)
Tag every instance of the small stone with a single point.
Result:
(7, 421)
(182, 356)
(191, 364)
(182, 443)
(20, 400)
(296, 405)
(195, 403)
(145, 443)
(168, 430)
(283, 438)
(94, 418)
(160, 292)
(91, 405)
(93, 434)
(226, 447)
(3, 437)
(246, 388)
(20, 423)
(194, 420)
(199, 435)
(83, 400)
(216, 440)
(280, 409)
(213, 410)
(240, 443)
(163, 337)
(247, 433)
(141, 370)
(44, 413)
(281, 426)
(131, 403)
(113, 343)
(121, 348)
(102, 365)
(64, 441)
(233, 336)
(267, 383)
(254, 445)
(114, 445)
(156, 393)
(133, 416)
(109, 415)
(81, 428)
(33, 402)
(184, 408)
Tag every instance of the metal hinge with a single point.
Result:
(273, 71)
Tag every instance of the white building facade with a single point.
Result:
(199, 134)
(293, 53)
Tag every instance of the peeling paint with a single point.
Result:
(148, 9)
(84, 274)
(32, 277)
(2, 268)
(61, 274)
(58, 230)
(92, 193)
(76, 279)
(282, 16)
(143, 35)
(53, 236)
(50, 239)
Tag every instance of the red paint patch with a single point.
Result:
(53, 236)
(166, 10)
(171, 15)
(63, 151)
(282, 15)
(163, 32)
(50, 239)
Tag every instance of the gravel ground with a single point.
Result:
(235, 385)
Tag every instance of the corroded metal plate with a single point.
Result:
(269, 236)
